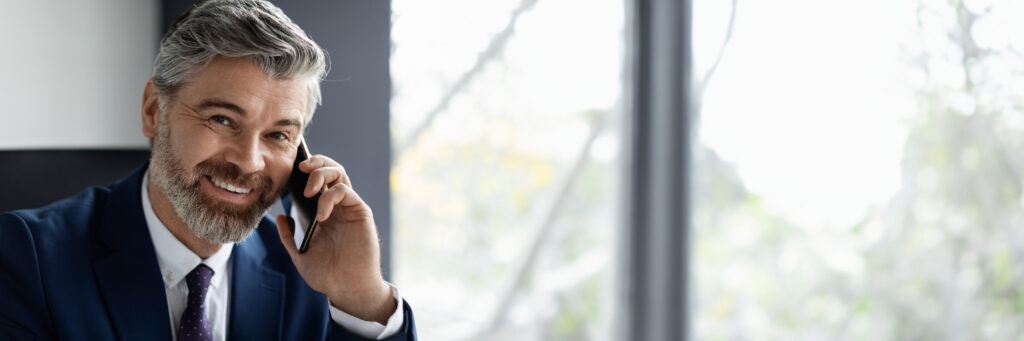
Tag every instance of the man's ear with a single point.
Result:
(150, 109)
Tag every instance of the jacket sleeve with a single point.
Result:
(406, 333)
(24, 313)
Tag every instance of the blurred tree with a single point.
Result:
(941, 260)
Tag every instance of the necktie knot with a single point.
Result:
(199, 279)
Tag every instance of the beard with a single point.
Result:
(211, 219)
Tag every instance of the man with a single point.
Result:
(169, 252)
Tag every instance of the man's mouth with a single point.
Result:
(228, 187)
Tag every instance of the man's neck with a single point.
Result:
(165, 212)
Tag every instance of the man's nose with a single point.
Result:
(246, 153)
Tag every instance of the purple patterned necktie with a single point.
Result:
(194, 325)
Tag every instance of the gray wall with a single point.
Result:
(72, 72)
(352, 124)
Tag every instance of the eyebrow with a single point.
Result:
(289, 122)
(219, 103)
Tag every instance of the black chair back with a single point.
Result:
(34, 178)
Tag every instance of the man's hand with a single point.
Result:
(343, 259)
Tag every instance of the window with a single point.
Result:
(505, 122)
(857, 173)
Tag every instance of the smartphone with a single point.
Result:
(306, 207)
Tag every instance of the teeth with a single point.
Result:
(229, 187)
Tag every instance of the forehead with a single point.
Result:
(241, 82)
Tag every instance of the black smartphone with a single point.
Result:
(305, 206)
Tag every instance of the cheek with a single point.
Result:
(280, 167)
(192, 148)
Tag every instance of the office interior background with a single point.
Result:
(617, 169)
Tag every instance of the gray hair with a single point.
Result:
(253, 29)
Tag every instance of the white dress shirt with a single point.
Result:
(176, 261)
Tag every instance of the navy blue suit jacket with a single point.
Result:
(85, 268)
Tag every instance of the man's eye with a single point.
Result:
(279, 136)
(221, 120)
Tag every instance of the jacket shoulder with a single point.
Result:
(68, 217)
(35, 244)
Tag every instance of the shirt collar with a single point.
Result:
(174, 258)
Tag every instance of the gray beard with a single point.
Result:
(209, 218)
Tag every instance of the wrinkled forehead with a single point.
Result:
(241, 74)
(242, 86)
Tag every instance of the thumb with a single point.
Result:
(285, 226)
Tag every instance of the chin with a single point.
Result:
(222, 222)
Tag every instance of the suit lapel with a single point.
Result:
(129, 276)
(257, 292)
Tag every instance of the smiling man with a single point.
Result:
(182, 248)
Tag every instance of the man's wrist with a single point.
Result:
(370, 329)
(375, 304)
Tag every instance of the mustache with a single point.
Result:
(226, 171)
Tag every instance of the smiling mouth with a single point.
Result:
(228, 187)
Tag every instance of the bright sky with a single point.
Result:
(810, 102)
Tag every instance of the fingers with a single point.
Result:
(317, 161)
(323, 173)
(340, 194)
(330, 177)
(321, 178)
(284, 230)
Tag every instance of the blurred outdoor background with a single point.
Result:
(858, 173)
(856, 170)
(505, 165)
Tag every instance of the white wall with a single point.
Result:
(72, 72)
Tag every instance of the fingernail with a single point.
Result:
(291, 224)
